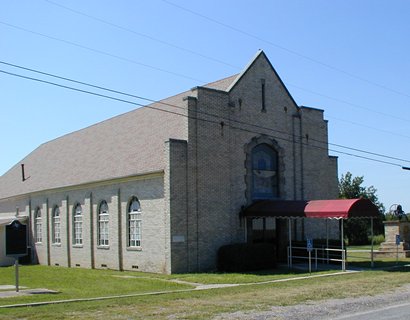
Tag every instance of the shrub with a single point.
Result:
(246, 257)
(377, 239)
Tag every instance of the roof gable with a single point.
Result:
(260, 55)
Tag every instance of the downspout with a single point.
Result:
(68, 233)
(120, 254)
(294, 157)
(48, 232)
(30, 231)
(92, 232)
(186, 209)
(302, 182)
(196, 186)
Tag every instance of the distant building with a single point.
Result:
(162, 187)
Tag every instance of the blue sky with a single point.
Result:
(349, 58)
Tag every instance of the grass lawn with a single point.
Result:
(72, 283)
(359, 256)
(75, 283)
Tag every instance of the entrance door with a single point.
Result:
(269, 230)
(261, 230)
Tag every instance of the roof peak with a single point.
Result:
(247, 67)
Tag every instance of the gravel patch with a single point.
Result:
(325, 309)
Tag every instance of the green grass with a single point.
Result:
(73, 283)
(363, 259)
(251, 277)
(364, 247)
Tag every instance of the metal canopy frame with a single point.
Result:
(339, 209)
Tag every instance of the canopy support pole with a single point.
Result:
(371, 250)
(290, 242)
(327, 241)
(343, 246)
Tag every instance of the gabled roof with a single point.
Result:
(229, 83)
(126, 145)
(222, 84)
(260, 55)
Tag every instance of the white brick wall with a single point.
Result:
(151, 256)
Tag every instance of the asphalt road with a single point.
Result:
(400, 311)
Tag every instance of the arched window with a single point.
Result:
(78, 225)
(103, 219)
(134, 223)
(38, 226)
(56, 226)
(264, 172)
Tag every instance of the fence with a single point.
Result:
(318, 255)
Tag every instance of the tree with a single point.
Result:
(358, 230)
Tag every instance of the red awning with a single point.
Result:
(336, 209)
(341, 209)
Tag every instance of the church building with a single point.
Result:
(163, 187)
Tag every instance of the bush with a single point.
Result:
(377, 239)
(246, 257)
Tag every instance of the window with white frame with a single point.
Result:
(134, 224)
(78, 225)
(103, 220)
(38, 226)
(56, 226)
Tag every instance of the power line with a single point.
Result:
(369, 127)
(68, 87)
(171, 105)
(75, 81)
(161, 102)
(205, 113)
(293, 52)
(101, 52)
(140, 34)
(175, 73)
(349, 103)
(213, 121)
(211, 58)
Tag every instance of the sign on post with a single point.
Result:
(16, 239)
(309, 247)
(16, 244)
(398, 239)
(397, 248)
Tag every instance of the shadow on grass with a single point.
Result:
(393, 266)
(279, 273)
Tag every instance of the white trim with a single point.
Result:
(7, 220)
